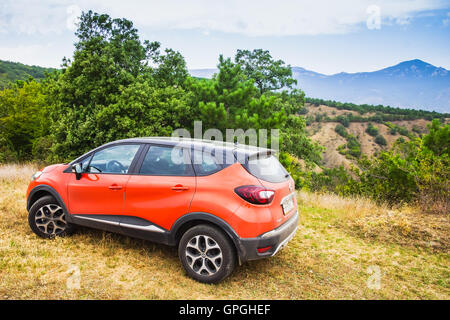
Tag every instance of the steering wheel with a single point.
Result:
(115, 166)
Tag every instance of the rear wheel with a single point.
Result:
(48, 219)
(206, 254)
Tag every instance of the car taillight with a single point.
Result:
(255, 194)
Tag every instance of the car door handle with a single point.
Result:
(179, 187)
(115, 187)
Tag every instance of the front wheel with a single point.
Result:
(47, 219)
(206, 254)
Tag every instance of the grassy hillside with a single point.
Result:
(344, 249)
(12, 71)
(323, 119)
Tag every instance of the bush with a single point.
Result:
(372, 130)
(416, 129)
(341, 130)
(379, 139)
(344, 120)
(353, 146)
(403, 131)
(329, 180)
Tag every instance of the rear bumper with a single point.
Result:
(275, 239)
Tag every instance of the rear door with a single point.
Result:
(161, 191)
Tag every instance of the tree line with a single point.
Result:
(117, 86)
(383, 113)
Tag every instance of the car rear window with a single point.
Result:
(267, 168)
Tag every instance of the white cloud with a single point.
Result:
(249, 17)
(266, 17)
(32, 17)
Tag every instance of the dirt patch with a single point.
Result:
(326, 136)
(368, 144)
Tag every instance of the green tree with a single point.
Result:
(109, 91)
(268, 74)
(171, 69)
(23, 119)
(230, 100)
(296, 141)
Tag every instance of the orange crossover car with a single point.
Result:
(221, 204)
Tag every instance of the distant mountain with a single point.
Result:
(202, 73)
(12, 71)
(409, 84)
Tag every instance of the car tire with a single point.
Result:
(206, 254)
(47, 219)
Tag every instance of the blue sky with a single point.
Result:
(324, 36)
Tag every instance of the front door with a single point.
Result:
(101, 189)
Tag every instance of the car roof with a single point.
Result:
(198, 143)
(241, 151)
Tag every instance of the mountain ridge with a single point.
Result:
(13, 71)
(409, 84)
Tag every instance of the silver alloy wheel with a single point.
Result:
(51, 219)
(204, 255)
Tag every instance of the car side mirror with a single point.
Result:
(76, 168)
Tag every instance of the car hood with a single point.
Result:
(52, 167)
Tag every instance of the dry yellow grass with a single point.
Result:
(407, 225)
(326, 260)
(11, 172)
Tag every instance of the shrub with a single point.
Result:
(379, 139)
(341, 130)
(372, 130)
(344, 120)
(403, 131)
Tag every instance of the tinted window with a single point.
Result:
(268, 169)
(205, 163)
(115, 159)
(166, 161)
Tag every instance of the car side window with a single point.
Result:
(166, 161)
(205, 163)
(116, 159)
